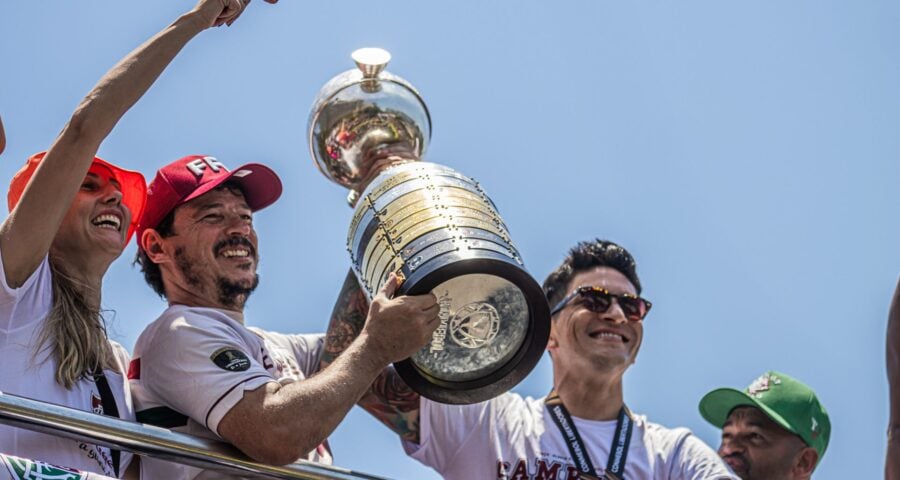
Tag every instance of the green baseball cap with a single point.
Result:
(786, 400)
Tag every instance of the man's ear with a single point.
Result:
(552, 344)
(805, 463)
(154, 245)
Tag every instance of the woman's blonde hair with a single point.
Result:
(74, 331)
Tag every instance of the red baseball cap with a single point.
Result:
(133, 185)
(186, 179)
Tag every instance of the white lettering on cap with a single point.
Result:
(197, 166)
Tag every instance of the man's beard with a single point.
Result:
(231, 294)
(234, 294)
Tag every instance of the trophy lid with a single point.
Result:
(363, 116)
(371, 61)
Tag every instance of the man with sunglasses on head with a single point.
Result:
(582, 428)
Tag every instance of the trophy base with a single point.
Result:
(495, 323)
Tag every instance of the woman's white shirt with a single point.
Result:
(29, 372)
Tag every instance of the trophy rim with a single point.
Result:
(321, 102)
(513, 370)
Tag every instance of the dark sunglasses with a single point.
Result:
(598, 300)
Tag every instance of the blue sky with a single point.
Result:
(746, 153)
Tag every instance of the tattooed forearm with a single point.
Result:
(347, 319)
(389, 399)
(394, 404)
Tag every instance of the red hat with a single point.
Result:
(186, 179)
(133, 185)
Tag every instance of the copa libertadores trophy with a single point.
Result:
(436, 227)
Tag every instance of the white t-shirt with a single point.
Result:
(193, 364)
(33, 375)
(513, 438)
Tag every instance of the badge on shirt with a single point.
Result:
(96, 404)
(230, 359)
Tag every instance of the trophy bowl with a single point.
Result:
(435, 227)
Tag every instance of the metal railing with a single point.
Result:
(147, 440)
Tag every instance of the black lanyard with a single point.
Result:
(615, 466)
(109, 409)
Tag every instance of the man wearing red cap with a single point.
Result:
(199, 369)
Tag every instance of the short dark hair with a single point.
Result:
(587, 255)
(151, 271)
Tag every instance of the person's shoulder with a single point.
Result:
(513, 407)
(512, 403)
(661, 431)
(120, 352)
(661, 437)
(297, 342)
(180, 323)
(680, 445)
(177, 317)
(286, 337)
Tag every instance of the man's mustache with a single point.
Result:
(739, 457)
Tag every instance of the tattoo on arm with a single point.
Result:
(389, 399)
(347, 320)
(393, 403)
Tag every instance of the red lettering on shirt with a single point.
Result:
(521, 471)
(502, 470)
(547, 473)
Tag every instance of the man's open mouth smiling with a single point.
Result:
(609, 335)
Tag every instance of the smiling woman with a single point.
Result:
(71, 215)
(99, 219)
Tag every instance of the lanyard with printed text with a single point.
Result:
(615, 466)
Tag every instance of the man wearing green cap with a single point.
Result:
(775, 429)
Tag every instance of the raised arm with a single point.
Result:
(278, 424)
(27, 233)
(892, 464)
(389, 399)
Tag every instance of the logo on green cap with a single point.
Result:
(762, 384)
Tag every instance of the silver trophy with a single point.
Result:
(436, 227)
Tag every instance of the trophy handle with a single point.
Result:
(352, 198)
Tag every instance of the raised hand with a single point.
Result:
(399, 327)
(215, 13)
